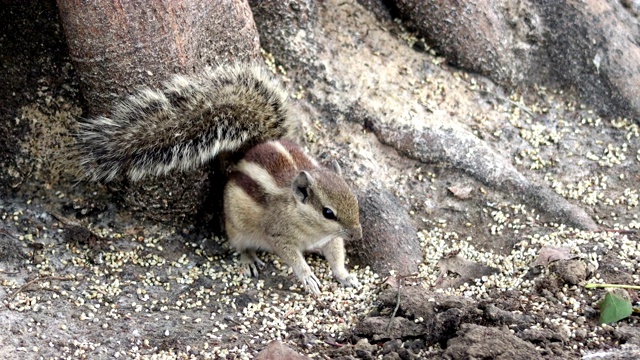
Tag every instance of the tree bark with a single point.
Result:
(590, 46)
(117, 46)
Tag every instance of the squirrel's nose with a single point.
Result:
(356, 233)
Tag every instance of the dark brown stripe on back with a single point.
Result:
(273, 161)
(249, 186)
(302, 160)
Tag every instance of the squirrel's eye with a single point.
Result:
(329, 214)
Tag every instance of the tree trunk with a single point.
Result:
(117, 46)
(590, 46)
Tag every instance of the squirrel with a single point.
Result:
(277, 198)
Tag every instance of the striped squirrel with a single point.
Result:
(277, 198)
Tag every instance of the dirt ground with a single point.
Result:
(82, 277)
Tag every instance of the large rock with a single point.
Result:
(389, 240)
(479, 342)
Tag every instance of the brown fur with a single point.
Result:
(302, 160)
(249, 186)
(291, 221)
(186, 123)
(279, 165)
(275, 198)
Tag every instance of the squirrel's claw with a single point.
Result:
(248, 262)
(349, 281)
(311, 283)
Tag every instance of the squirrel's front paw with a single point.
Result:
(310, 282)
(350, 280)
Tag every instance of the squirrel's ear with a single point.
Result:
(301, 185)
(336, 167)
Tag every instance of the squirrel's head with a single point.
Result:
(327, 202)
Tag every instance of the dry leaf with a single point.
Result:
(549, 254)
(466, 269)
(276, 350)
(461, 192)
(390, 281)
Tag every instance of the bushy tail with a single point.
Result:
(186, 123)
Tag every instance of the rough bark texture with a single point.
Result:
(453, 146)
(117, 46)
(469, 33)
(27, 62)
(288, 28)
(586, 45)
(589, 47)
